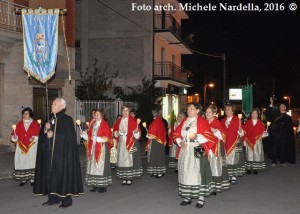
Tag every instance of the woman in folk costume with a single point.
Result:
(173, 146)
(235, 157)
(25, 137)
(217, 156)
(98, 171)
(88, 125)
(254, 132)
(127, 132)
(156, 146)
(194, 173)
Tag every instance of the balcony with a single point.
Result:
(9, 19)
(166, 27)
(172, 74)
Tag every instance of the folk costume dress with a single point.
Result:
(156, 147)
(194, 174)
(98, 171)
(27, 132)
(217, 159)
(173, 148)
(235, 157)
(129, 164)
(57, 172)
(254, 133)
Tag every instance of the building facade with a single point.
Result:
(135, 43)
(17, 91)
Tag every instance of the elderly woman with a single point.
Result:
(254, 132)
(98, 172)
(235, 157)
(127, 132)
(217, 157)
(156, 146)
(193, 135)
(25, 137)
(173, 146)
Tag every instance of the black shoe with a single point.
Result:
(233, 182)
(102, 189)
(200, 205)
(160, 176)
(184, 203)
(32, 184)
(22, 183)
(249, 172)
(176, 171)
(63, 206)
(214, 193)
(50, 203)
(255, 172)
(94, 189)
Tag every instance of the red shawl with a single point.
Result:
(24, 136)
(231, 133)
(132, 124)
(157, 131)
(216, 124)
(103, 132)
(253, 133)
(202, 128)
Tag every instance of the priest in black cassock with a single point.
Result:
(57, 172)
(283, 139)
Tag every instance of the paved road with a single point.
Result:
(276, 191)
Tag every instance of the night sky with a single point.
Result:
(263, 47)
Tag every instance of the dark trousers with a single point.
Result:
(67, 201)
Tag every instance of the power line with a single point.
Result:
(149, 31)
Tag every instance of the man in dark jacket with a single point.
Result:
(58, 172)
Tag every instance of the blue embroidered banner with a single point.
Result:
(40, 34)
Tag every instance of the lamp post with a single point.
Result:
(289, 99)
(210, 85)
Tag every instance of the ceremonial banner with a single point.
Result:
(247, 100)
(40, 34)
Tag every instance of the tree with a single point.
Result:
(146, 95)
(94, 84)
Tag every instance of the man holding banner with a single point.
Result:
(58, 173)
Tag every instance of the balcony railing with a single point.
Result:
(167, 22)
(171, 71)
(9, 19)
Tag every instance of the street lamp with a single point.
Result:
(289, 99)
(210, 85)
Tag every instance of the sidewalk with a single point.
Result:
(6, 164)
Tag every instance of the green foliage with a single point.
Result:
(94, 84)
(172, 118)
(146, 95)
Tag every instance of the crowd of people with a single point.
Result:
(209, 153)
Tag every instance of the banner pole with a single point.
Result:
(47, 102)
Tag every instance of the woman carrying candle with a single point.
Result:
(195, 139)
(217, 157)
(98, 171)
(235, 157)
(127, 132)
(254, 130)
(25, 137)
